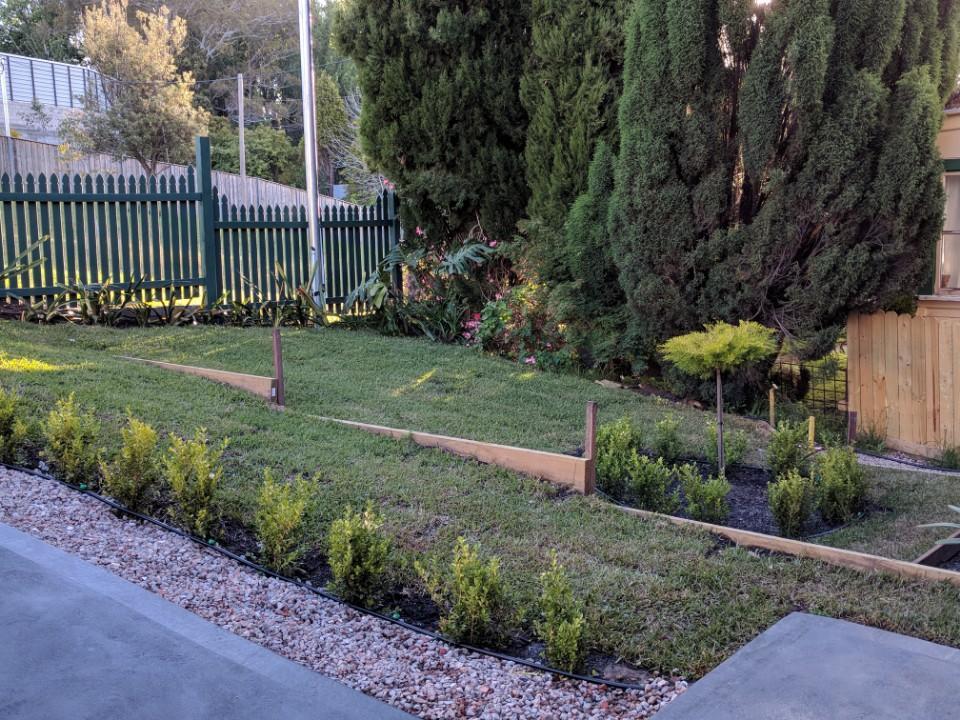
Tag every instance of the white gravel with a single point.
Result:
(893, 464)
(414, 673)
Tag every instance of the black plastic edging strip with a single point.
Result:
(323, 593)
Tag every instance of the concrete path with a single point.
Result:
(79, 643)
(808, 667)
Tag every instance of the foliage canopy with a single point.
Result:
(150, 112)
(720, 346)
(778, 162)
(441, 115)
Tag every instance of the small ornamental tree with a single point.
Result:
(150, 113)
(720, 348)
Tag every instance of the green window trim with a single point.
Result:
(951, 165)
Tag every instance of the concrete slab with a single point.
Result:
(77, 642)
(808, 667)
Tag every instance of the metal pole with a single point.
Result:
(3, 92)
(243, 141)
(11, 155)
(308, 93)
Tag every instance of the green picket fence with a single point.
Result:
(175, 235)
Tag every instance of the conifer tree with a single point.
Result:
(441, 114)
(589, 300)
(778, 161)
(570, 90)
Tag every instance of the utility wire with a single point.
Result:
(208, 81)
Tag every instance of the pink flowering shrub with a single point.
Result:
(516, 324)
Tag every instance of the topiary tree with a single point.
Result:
(778, 161)
(441, 112)
(720, 348)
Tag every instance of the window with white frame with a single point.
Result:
(948, 257)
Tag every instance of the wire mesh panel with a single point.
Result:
(814, 387)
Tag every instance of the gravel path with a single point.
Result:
(892, 464)
(407, 670)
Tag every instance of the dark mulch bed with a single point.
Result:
(750, 505)
(952, 564)
(420, 610)
(749, 502)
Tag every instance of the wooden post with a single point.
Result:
(721, 459)
(590, 449)
(811, 432)
(773, 406)
(208, 217)
(280, 398)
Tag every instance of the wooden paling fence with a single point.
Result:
(18, 155)
(904, 379)
(175, 234)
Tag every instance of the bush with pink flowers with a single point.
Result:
(517, 325)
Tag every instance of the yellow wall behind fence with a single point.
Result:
(904, 376)
(949, 139)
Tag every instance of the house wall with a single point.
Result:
(949, 139)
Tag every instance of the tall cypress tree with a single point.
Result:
(590, 303)
(441, 112)
(570, 89)
(778, 162)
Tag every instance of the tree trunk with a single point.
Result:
(721, 460)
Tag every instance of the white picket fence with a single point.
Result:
(26, 156)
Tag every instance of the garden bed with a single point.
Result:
(418, 609)
(412, 672)
(749, 502)
(661, 597)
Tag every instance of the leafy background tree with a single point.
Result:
(441, 114)
(778, 162)
(332, 124)
(150, 114)
(588, 299)
(40, 28)
(270, 154)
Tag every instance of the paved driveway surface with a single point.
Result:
(78, 643)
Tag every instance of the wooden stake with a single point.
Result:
(811, 432)
(590, 449)
(721, 456)
(279, 398)
(773, 407)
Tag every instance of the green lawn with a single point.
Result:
(660, 596)
(902, 502)
(400, 382)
